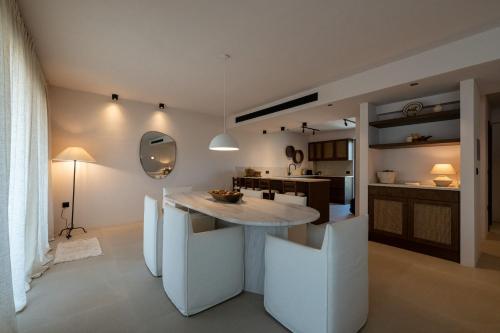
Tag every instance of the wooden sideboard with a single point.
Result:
(420, 220)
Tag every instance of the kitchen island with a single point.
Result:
(316, 190)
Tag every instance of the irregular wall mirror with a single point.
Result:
(157, 154)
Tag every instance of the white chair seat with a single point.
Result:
(152, 236)
(252, 193)
(323, 290)
(299, 194)
(203, 269)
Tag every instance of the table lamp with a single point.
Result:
(75, 154)
(442, 170)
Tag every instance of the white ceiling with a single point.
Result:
(170, 51)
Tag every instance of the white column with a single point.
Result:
(469, 191)
(362, 157)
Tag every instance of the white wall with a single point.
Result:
(267, 152)
(112, 190)
(469, 191)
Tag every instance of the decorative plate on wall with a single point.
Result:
(412, 109)
(298, 157)
(290, 151)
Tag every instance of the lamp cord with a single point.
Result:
(226, 57)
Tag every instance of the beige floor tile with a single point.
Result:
(409, 292)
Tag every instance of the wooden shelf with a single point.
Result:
(420, 119)
(434, 143)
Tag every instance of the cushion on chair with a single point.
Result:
(252, 193)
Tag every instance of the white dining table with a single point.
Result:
(258, 217)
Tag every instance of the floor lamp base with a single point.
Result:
(68, 233)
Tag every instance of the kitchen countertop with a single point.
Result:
(425, 187)
(296, 178)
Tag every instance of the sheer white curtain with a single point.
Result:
(7, 313)
(26, 152)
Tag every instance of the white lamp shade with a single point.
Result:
(443, 169)
(74, 154)
(223, 142)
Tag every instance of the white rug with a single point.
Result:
(77, 249)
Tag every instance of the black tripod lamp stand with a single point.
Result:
(75, 154)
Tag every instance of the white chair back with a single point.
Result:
(295, 291)
(172, 190)
(293, 199)
(346, 248)
(152, 235)
(203, 269)
(252, 193)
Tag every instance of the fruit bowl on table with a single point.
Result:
(226, 196)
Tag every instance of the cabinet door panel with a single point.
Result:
(389, 216)
(328, 150)
(318, 151)
(311, 156)
(434, 222)
(341, 150)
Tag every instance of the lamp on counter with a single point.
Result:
(75, 154)
(443, 170)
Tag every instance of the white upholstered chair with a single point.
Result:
(152, 236)
(203, 269)
(252, 193)
(298, 233)
(172, 190)
(200, 222)
(325, 290)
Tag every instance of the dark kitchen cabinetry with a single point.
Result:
(332, 150)
(341, 189)
(420, 220)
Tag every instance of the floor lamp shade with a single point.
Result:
(75, 154)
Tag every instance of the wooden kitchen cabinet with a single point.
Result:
(420, 220)
(328, 150)
(344, 150)
(332, 150)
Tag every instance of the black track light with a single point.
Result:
(114, 97)
(345, 123)
(161, 106)
(282, 128)
(264, 132)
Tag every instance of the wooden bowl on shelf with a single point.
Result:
(226, 196)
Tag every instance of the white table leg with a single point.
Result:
(255, 240)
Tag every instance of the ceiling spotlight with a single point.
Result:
(282, 128)
(161, 106)
(314, 132)
(345, 122)
(413, 84)
(114, 97)
(330, 104)
(264, 132)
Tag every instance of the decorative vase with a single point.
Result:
(386, 176)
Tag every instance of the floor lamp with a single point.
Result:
(75, 154)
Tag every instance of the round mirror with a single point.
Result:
(157, 154)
